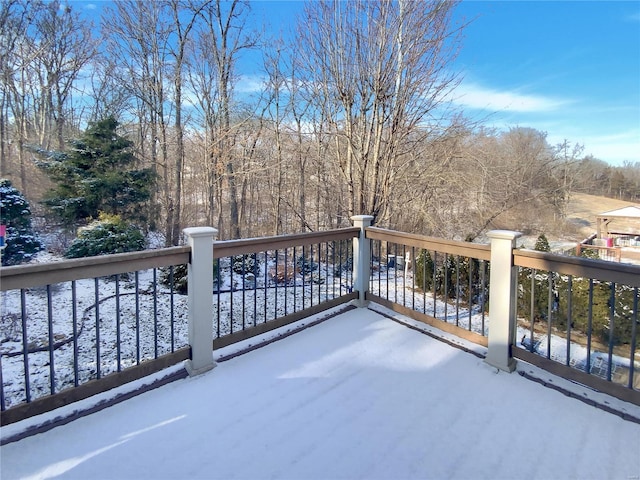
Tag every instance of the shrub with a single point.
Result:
(180, 277)
(21, 242)
(245, 263)
(424, 270)
(306, 265)
(107, 235)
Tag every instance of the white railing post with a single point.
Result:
(200, 288)
(502, 300)
(361, 258)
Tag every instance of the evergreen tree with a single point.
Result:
(15, 214)
(107, 235)
(97, 175)
(537, 282)
(424, 270)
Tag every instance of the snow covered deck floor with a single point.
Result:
(358, 396)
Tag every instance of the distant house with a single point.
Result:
(622, 226)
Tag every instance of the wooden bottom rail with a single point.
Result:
(281, 322)
(93, 387)
(570, 373)
(434, 322)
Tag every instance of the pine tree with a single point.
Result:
(97, 175)
(15, 213)
(538, 283)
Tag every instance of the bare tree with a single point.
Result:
(137, 33)
(221, 38)
(45, 46)
(385, 70)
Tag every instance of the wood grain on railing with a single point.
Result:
(451, 247)
(28, 276)
(603, 270)
(228, 248)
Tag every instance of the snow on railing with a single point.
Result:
(74, 328)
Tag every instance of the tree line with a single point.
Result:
(352, 115)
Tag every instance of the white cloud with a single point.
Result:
(250, 84)
(474, 96)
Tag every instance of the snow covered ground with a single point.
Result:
(358, 396)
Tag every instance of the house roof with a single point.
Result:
(626, 212)
(356, 396)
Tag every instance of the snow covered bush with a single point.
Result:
(109, 234)
(245, 263)
(21, 242)
(306, 265)
(180, 277)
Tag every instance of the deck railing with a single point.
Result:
(578, 318)
(74, 328)
(440, 282)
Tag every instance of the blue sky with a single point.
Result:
(568, 68)
(571, 69)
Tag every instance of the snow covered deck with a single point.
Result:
(357, 396)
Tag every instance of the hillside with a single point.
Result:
(583, 208)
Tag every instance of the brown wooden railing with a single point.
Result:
(103, 321)
(84, 326)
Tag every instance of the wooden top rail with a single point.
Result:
(228, 248)
(28, 276)
(579, 267)
(452, 247)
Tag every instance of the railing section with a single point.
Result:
(70, 326)
(443, 283)
(579, 318)
(74, 328)
(262, 284)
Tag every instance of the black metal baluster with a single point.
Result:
(612, 311)
(155, 313)
(470, 293)
(483, 286)
(435, 290)
(74, 319)
(569, 317)
(255, 286)
(457, 290)
(118, 343)
(413, 278)
(219, 283)
(25, 345)
(632, 352)
(445, 294)
(266, 284)
(550, 306)
(137, 282)
(172, 308)
(244, 293)
(532, 310)
(52, 371)
(303, 267)
(97, 305)
(589, 326)
(423, 253)
(231, 295)
(3, 405)
(277, 275)
(295, 271)
(286, 280)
